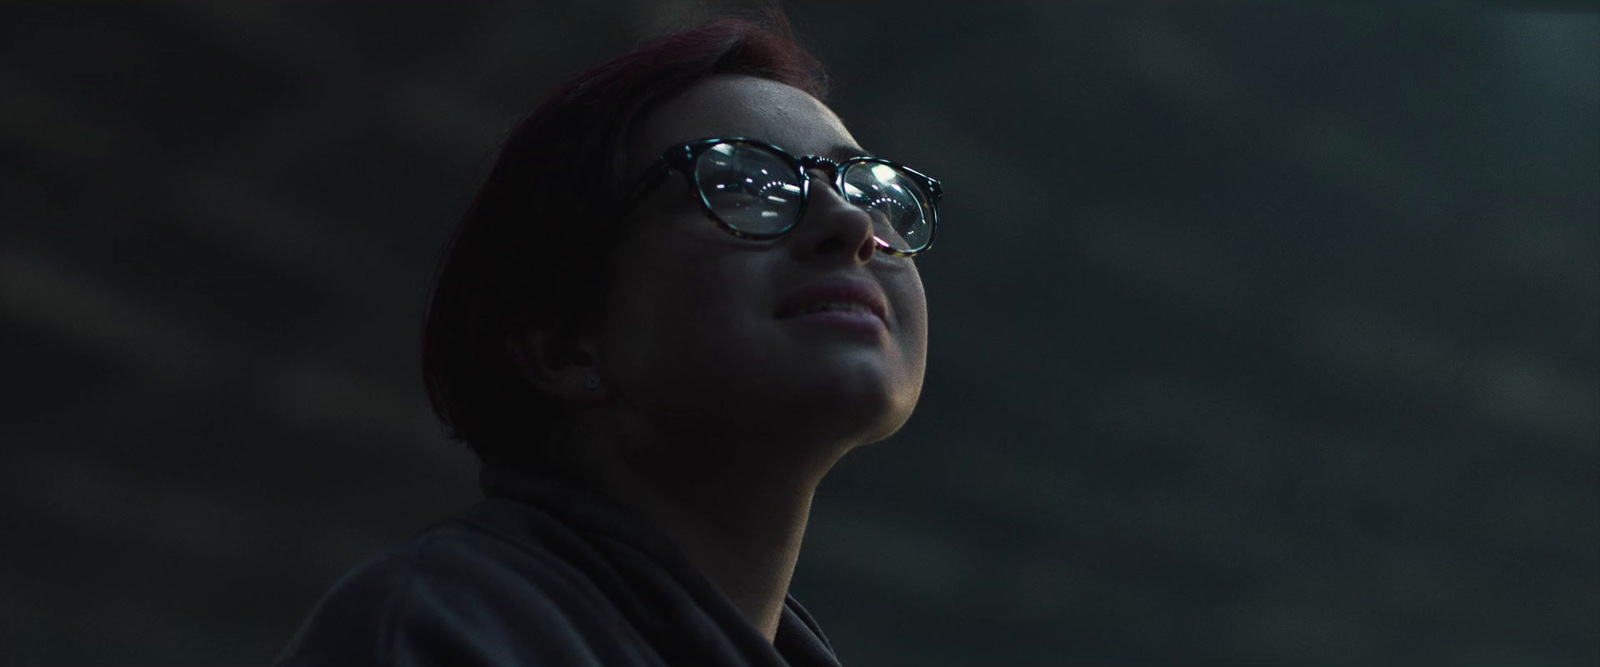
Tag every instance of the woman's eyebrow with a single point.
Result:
(844, 152)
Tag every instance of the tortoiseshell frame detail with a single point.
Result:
(682, 158)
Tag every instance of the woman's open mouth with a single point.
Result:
(849, 316)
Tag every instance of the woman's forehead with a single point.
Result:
(744, 106)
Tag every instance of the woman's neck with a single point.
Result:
(735, 512)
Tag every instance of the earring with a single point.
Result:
(592, 381)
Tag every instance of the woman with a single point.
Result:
(682, 294)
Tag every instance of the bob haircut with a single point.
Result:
(533, 247)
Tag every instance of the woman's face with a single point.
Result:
(698, 331)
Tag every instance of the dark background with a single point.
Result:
(1261, 334)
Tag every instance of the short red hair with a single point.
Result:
(533, 245)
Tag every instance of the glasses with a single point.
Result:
(755, 190)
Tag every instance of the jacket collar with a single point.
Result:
(799, 640)
(579, 506)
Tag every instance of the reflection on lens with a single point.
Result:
(900, 211)
(749, 189)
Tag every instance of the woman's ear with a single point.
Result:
(559, 366)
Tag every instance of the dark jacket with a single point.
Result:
(541, 573)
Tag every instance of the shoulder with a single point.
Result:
(464, 592)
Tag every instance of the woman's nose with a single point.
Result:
(832, 225)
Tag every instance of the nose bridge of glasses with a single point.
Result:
(829, 168)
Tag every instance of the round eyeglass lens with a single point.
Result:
(900, 211)
(749, 189)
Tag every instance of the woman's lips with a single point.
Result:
(851, 320)
(843, 300)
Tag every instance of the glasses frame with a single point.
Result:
(682, 157)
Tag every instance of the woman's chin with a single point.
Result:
(857, 417)
(864, 394)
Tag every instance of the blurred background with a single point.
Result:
(1262, 333)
